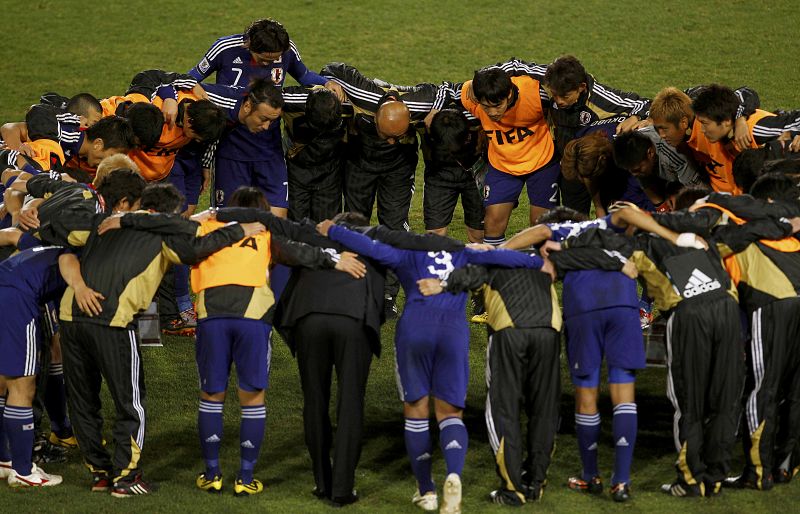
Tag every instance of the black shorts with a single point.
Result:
(440, 198)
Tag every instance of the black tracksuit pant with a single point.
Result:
(705, 355)
(773, 378)
(91, 353)
(325, 342)
(523, 371)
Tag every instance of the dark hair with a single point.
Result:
(79, 175)
(84, 104)
(115, 131)
(560, 214)
(323, 110)
(783, 166)
(248, 196)
(630, 148)
(266, 36)
(207, 120)
(492, 85)
(163, 197)
(351, 218)
(775, 186)
(747, 167)
(688, 195)
(449, 134)
(147, 123)
(120, 185)
(564, 75)
(264, 91)
(718, 103)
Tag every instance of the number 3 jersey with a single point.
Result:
(413, 265)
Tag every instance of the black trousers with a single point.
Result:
(393, 190)
(318, 200)
(325, 342)
(93, 353)
(705, 355)
(574, 195)
(773, 378)
(523, 371)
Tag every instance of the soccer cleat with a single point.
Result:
(44, 451)
(428, 501)
(534, 491)
(319, 493)
(780, 476)
(593, 486)
(451, 501)
(683, 490)
(36, 478)
(480, 318)
(748, 480)
(64, 442)
(5, 469)
(645, 318)
(132, 487)
(621, 492)
(212, 486)
(240, 489)
(342, 501)
(101, 482)
(184, 325)
(712, 489)
(506, 497)
(390, 308)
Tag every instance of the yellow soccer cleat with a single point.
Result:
(254, 487)
(480, 318)
(214, 485)
(65, 442)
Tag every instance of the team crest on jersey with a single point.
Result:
(486, 190)
(204, 65)
(220, 196)
(585, 118)
(277, 75)
(238, 60)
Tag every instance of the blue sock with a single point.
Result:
(5, 456)
(251, 433)
(454, 441)
(587, 430)
(209, 425)
(182, 297)
(624, 428)
(19, 431)
(55, 401)
(419, 446)
(278, 278)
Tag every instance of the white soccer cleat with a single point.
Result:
(37, 478)
(451, 504)
(5, 469)
(428, 501)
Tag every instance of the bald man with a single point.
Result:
(381, 149)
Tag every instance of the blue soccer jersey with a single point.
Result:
(590, 290)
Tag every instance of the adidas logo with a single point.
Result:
(424, 456)
(592, 447)
(238, 60)
(453, 445)
(622, 442)
(700, 283)
(247, 444)
(213, 439)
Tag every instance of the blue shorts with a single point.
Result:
(20, 335)
(270, 176)
(245, 342)
(432, 352)
(501, 187)
(614, 333)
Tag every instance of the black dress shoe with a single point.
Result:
(341, 501)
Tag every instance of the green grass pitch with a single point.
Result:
(94, 46)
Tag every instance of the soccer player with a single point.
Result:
(652, 160)
(511, 111)
(454, 163)
(98, 337)
(432, 354)
(704, 122)
(27, 281)
(263, 51)
(315, 157)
